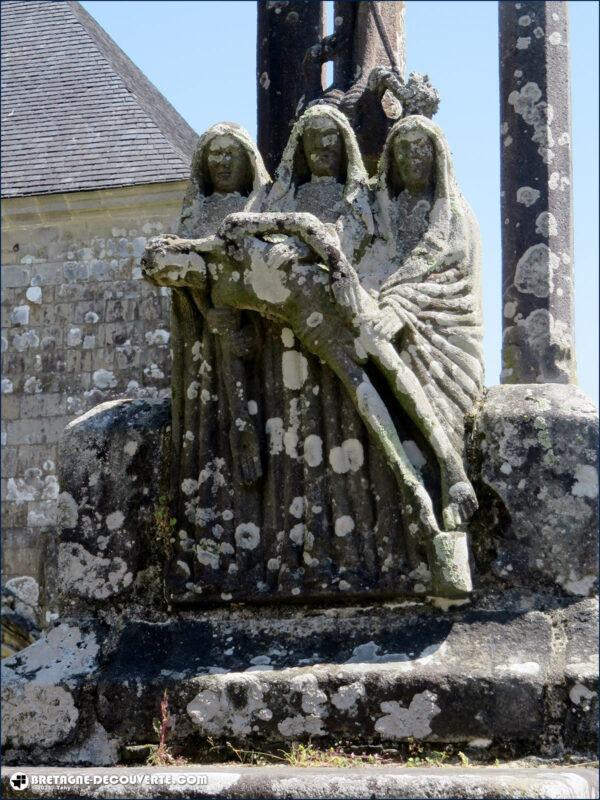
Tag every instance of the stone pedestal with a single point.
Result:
(513, 669)
(514, 673)
(536, 448)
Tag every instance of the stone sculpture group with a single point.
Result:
(281, 547)
(327, 349)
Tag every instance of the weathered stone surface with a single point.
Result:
(481, 678)
(43, 691)
(379, 676)
(112, 479)
(537, 236)
(368, 783)
(94, 332)
(581, 674)
(358, 27)
(20, 614)
(538, 452)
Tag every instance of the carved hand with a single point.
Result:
(177, 244)
(174, 243)
(283, 253)
(387, 323)
(382, 79)
(159, 265)
(308, 229)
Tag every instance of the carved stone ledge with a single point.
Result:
(381, 675)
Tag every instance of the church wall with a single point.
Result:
(79, 327)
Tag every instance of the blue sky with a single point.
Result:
(201, 55)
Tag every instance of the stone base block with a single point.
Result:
(249, 783)
(522, 677)
(536, 448)
(532, 457)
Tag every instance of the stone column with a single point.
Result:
(286, 29)
(365, 48)
(371, 31)
(537, 237)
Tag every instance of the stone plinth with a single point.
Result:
(113, 462)
(537, 447)
(478, 677)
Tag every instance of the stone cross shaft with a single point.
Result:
(537, 236)
(365, 49)
(286, 29)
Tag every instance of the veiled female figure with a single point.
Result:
(213, 348)
(425, 276)
(330, 497)
(322, 172)
(227, 175)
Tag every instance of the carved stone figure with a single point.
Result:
(431, 266)
(394, 317)
(427, 284)
(227, 175)
(322, 172)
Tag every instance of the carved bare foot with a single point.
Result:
(449, 564)
(246, 453)
(459, 501)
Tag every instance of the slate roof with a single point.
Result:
(76, 113)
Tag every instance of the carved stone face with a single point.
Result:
(323, 148)
(413, 159)
(227, 165)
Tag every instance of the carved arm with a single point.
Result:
(306, 227)
(172, 261)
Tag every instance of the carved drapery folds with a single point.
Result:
(327, 348)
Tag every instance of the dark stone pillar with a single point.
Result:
(286, 29)
(356, 22)
(537, 239)
(364, 48)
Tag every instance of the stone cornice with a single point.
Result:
(52, 208)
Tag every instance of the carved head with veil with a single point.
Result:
(322, 172)
(227, 175)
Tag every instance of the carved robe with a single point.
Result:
(431, 278)
(201, 451)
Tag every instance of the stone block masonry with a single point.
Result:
(79, 327)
